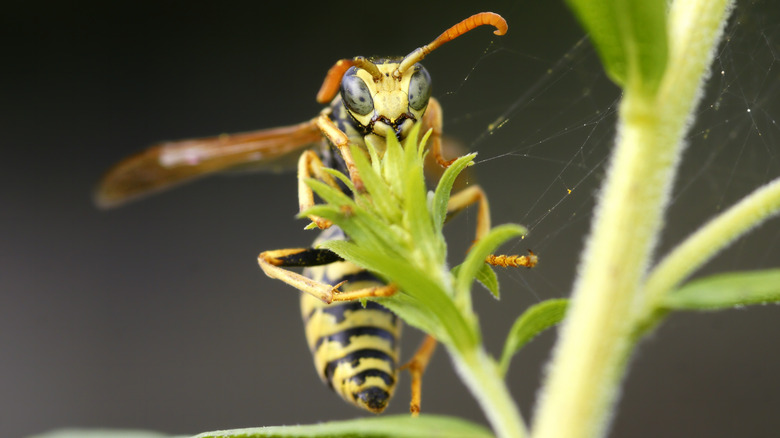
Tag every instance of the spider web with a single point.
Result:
(157, 316)
(545, 147)
(544, 142)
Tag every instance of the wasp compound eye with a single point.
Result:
(355, 93)
(419, 88)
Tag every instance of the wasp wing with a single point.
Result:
(171, 163)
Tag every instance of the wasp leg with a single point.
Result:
(274, 262)
(475, 194)
(416, 367)
(310, 166)
(464, 198)
(433, 120)
(341, 141)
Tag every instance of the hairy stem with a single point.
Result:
(481, 375)
(596, 341)
(710, 239)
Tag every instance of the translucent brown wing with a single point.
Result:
(170, 163)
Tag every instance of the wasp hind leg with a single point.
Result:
(274, 263)
(464, 198)
(416, 367)
(475, 195)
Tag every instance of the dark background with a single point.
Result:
(156, 316)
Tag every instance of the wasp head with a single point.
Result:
(385, 95)
(378, 96)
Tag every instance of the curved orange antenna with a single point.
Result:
(370, 67)
(330, 86)
(476, 20)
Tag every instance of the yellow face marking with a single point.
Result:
(389, 94)
(391, 101)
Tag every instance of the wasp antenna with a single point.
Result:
(370, 67)
(330, 86)
(476, 20)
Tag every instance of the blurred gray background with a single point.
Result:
(156, 316)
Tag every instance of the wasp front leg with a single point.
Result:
(341, 141)
(433, 121)
(310, 166)
(274, 263)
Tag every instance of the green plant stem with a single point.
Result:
(594, 342)
(596, 339)
(481, 376)
(716, 235)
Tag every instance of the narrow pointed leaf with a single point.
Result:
(361, 227)
(392, 164)
(376, 162)
(381, 196)
(397, 426)
(347, 250)
(330, 195)
(485, 276)
(533, 321)
(725, 291)
(418, 284)
(418, 218)
(442, 194)
(484, 247)
(104, 433)
(343, 178)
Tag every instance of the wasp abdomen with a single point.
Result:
(355, 347)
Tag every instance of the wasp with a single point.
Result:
(354, 342)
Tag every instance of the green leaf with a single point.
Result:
(418, 219)
(533, 321)
(391, 426)
(362, 229)
(415, 314)
(725, 291)
(381, 196)
(486, 276)
(484, 247)
(398, 426)
(330, 195)
(103, 433)
(392, 162)
(435, 311)
(630, 36)
(340, 176)
(442, 194)
(376, 161)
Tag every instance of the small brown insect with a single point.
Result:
(513, 261)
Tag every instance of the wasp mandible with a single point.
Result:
(355, 347)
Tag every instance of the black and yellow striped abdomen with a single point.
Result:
(355, 347)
